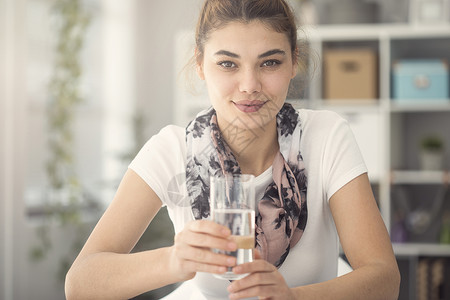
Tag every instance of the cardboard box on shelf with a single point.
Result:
(350, 74)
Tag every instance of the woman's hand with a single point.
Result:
(264, 281)
(192, 253)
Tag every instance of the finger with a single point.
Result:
(265, 291)
(257, 254)
(206, 256)
(207, 268)
(258, 265)
(208, 241)
(209, 227)
(252, 280)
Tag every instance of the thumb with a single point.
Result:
(257, 254)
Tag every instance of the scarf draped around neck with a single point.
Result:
(282, 211)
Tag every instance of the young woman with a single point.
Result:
(310, 179)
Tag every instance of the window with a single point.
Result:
(102, 123)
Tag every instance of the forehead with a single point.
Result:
(241, 37)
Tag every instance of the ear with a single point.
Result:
(295, 63)
(199, 65)
(200, 72)
(294, 70)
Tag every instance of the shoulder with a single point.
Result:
(169, 139)
(163, 150)
(330, 150)
(325, 118)
(322, 124)
(161, 160)
(326, 133)
(170, 134)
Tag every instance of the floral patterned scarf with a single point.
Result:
(282, 211)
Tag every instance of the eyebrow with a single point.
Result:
(265, 54)
(272, 52)
(227, 53)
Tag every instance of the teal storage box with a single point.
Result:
(420, 79)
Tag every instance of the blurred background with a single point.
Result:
(85, 83)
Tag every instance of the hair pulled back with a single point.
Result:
(216, 14)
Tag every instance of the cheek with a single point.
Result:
(218, 83)
(277, 85)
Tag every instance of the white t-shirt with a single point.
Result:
(332, 159)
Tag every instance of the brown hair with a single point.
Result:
(216, 14)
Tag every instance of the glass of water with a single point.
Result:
(233, 206)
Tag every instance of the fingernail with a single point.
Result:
(232, 246)
(236, 269)
(222, 269)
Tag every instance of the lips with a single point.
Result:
(249, 106)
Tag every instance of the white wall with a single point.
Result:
(11, 138)
(157, 24)
(5, 223)
(118, 84)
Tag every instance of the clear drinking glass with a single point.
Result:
(233, 205)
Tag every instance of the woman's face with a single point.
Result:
(247, 69)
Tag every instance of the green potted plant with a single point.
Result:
(432, 152)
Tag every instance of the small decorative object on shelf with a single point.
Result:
(422, 213)
(429, 11)
(420, 79)
(351, 12)
(307, 14)
(399, 233)
(432, 153)
(445, 229)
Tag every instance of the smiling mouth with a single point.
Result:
(249, 106)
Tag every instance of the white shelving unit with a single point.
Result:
(420, 177)
(393, 129)
(390, 42)
(420, 249)
(387, 131)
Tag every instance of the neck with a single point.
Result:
(254, 149)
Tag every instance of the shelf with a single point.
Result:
(420, 106)
(343, 105)
(417, 249)
(419, 177)
(374, 32)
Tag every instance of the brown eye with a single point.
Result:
(271, 63)
(227, 64)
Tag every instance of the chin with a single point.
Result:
(253, 121)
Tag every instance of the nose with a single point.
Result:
(249, 82)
